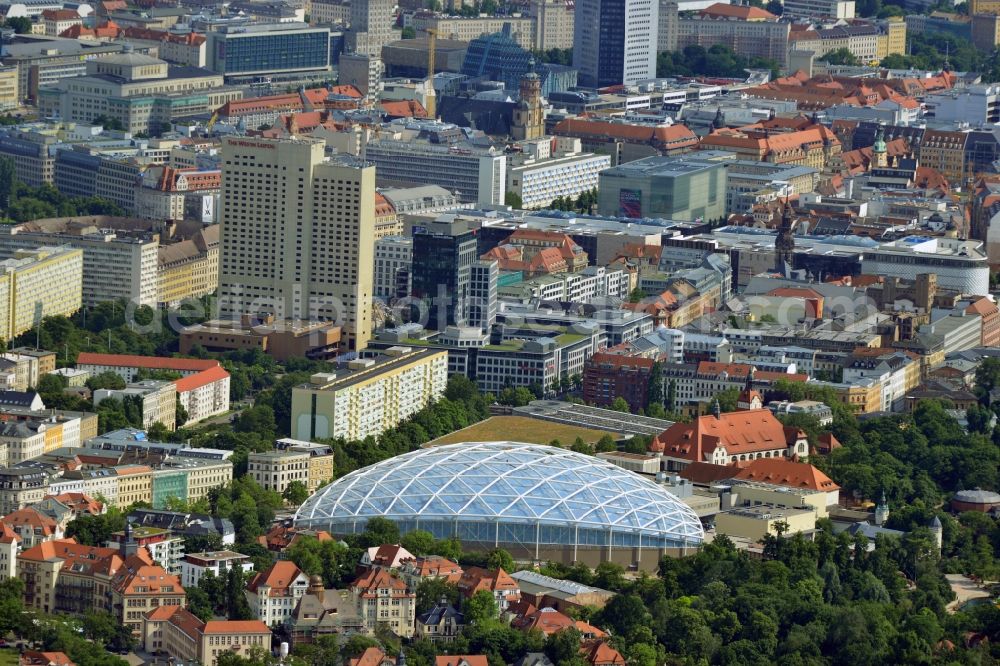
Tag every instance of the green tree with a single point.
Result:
(295, 493)
(19, 24)
(408, 33)
(841, 56)
(481, 608)
(620, 405)
(106, 380)
(430, 591)
(498, 558)
(418, 542)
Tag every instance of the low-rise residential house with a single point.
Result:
(274, 593)
(504, 588)
(389, 556)
(383, 598)
(218, 563)
(428, 567)
(140, 586)
(32, 526)
(441, 624)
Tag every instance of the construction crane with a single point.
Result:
(430, 97)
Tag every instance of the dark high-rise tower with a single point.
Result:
(784, 243)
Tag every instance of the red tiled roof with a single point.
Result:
(148, 362)
(278, 577)
(235, 627)
(203, 378)
(475, 579)
(32, 518)
(60, 14)
(786, 473)
(744, 13)
(404, 108)
(137, 577)
(78, 558)
(34, 658)
(749, 431)
(380, 579)
(373, 656)
(460, 660)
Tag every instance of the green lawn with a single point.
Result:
(520, 429)
(8, 657)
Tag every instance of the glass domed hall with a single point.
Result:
(536, 501)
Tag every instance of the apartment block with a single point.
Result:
(540, 180)
(189, 269)
(275, 470)
(273, 593)
(393, 267)
(35, 284)
(278, 232)
(383, 598)
(158, 399)
(369, 395)
(116, 265)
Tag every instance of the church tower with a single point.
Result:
(529, 121)
(880, 155)
(784, 243)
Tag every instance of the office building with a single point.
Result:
(553, 23)
(43, 61)
(748, 37)
(9, 98)
(297, 235)
(674, 188)
(423, 152)
(262, 49)
(441, 274)
(371, 27)
(393, 261)
(833, 9)
(979, 104)
(369, 395)
(498, 57)
(217, 562)
(522, 29)
(35, 284)
(539, 177)
(116, 264)
(141, 92)
(615, 41)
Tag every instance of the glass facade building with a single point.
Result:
(508, 494)
(269, 49)
(443, 255)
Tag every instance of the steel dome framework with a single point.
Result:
(507, 493)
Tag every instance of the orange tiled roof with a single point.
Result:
(744, 13)
(77, 557)
(598, 653)
(203, 378)
(380, 579)
(475, 579)
(34, 658)
(235, 627)
(78, 502)
(460, 660)
(982, 306)
(60, 14)
(8, 535)
(749, 431)
(31, 518)
(434, 565)
(278, 577)
(149, 362)
(786, 473)
(138, 577)
(404, 108)
(549, 621)
(372, 656)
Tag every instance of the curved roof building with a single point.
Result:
(539, 502)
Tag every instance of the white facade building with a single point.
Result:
(960, 265)
(218, 563)
(538, 181)
(393, 260)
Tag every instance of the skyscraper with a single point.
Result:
(371, 27)
(297, 235)
(614, 41)
(444, 253)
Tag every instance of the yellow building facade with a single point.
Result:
(36, 284)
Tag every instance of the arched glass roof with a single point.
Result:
(504, 482)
